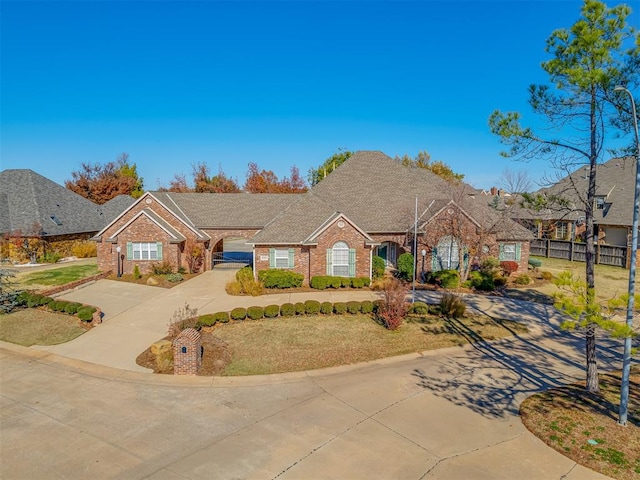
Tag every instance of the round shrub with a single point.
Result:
(378, 267)
(535, 263)
(221, 317)
(366, 306)
(546, 275)
(353, 307)
(335, 282)
(326, 308)
(419, 308)
(357, 282)
(287, 310)
(276, 278)
(448, 278)
(482, 281)
(312, 307)
(523, 279)
(175, 277)
(319, 282)
(452, 306)
(340, 308)
(366, 281)
(509, 267)
(208, 320)
(345, 282)
(300, 308)
(58, 306)
(271, 311)
(86, 313)
(255, 313)
(239, 313)
(34, 300)
(72, 308)
(46, 300)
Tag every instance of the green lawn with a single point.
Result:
(58, 276)
(33, 326)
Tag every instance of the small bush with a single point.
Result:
(136, 272)
(419, 308)
(164, 268)
(46, 300)
(345, 282)
(326, 308)
(509, 267)
(255, 313)
(546, 275)
(247, 283)
(319, 282)
(312, 307)
(55, 306)
(287, 310)
(500, 281)
(480, 280)
(85, 249)
(175, 277)
(378, 267)
(354, 307)
(239, 313)
(366, 281)
(366, 306)
(357, 282)
(405, 266)
(208, 320)
(523, 279)
(452, 306)
(339, 308)
(33, 300)
(535, 263)
(276, 278)
(50, 257)
(86, 313)
(72, 308)
(448, 278)
(335, 282)
(393, 308)
(300, 308)
(221, 317)
(271, 311)
(233, 288)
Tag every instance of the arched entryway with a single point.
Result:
(389, 252)
(231, 252)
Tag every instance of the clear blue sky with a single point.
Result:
(276, 83)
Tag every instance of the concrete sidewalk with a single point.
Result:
(138, 315)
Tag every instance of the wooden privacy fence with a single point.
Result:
(576, 251)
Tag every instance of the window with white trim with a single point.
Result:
(561, 230)
(281, 257)
(145, 250)
(508, 252)
(340, 263)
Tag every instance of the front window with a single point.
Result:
(145, 250)
(281, 258)
(340, 259)
(561, 230)
(508, 252)
(448, 256)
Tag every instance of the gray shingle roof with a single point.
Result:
(30, 199)
(115, 207)
(615, 180)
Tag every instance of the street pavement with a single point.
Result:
(446, 414)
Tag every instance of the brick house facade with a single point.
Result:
(333, 229)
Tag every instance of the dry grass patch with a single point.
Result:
(305, 343)
(583, 426)
(33, 326)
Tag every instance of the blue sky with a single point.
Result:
(276, 83)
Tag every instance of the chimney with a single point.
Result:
(494, 191)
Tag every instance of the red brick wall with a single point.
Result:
(188, 363)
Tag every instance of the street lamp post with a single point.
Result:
(424, 254)
(118, 250)
(626, 359)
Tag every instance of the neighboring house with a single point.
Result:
(612, 213)
(34, 207)
(366, 207)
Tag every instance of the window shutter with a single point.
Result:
(291, 257)
(518, 251)
(272, 258)
(159, 247)
(129, 251)
(501, 256)
(434, 259)
(329, 261)
(352, 262)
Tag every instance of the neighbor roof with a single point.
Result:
(29, 199)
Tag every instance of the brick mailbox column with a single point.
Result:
(187, 352)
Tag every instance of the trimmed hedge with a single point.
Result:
(366, 306)
(239, 313)
(321, 282)
(271, 311)
(312, 307)
(276, 278)
(353, 307)
(208, 320)
(221, 317)
(86, 313)
(255, 313)
(300, 308)
(419, 308)
(326, 308)
(535, 263)
(72, 308)
(378, 267)
(339, 308)
(287, 310)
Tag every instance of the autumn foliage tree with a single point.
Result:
(329, 165)
(265, 181)
(423, 160)
(219, 183)
(100, 183)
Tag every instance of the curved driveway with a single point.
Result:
(448, 414)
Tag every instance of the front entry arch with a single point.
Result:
(389, 252)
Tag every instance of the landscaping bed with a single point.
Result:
(583, 426)
(34, 326)
(288, 344)
(154, 280)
